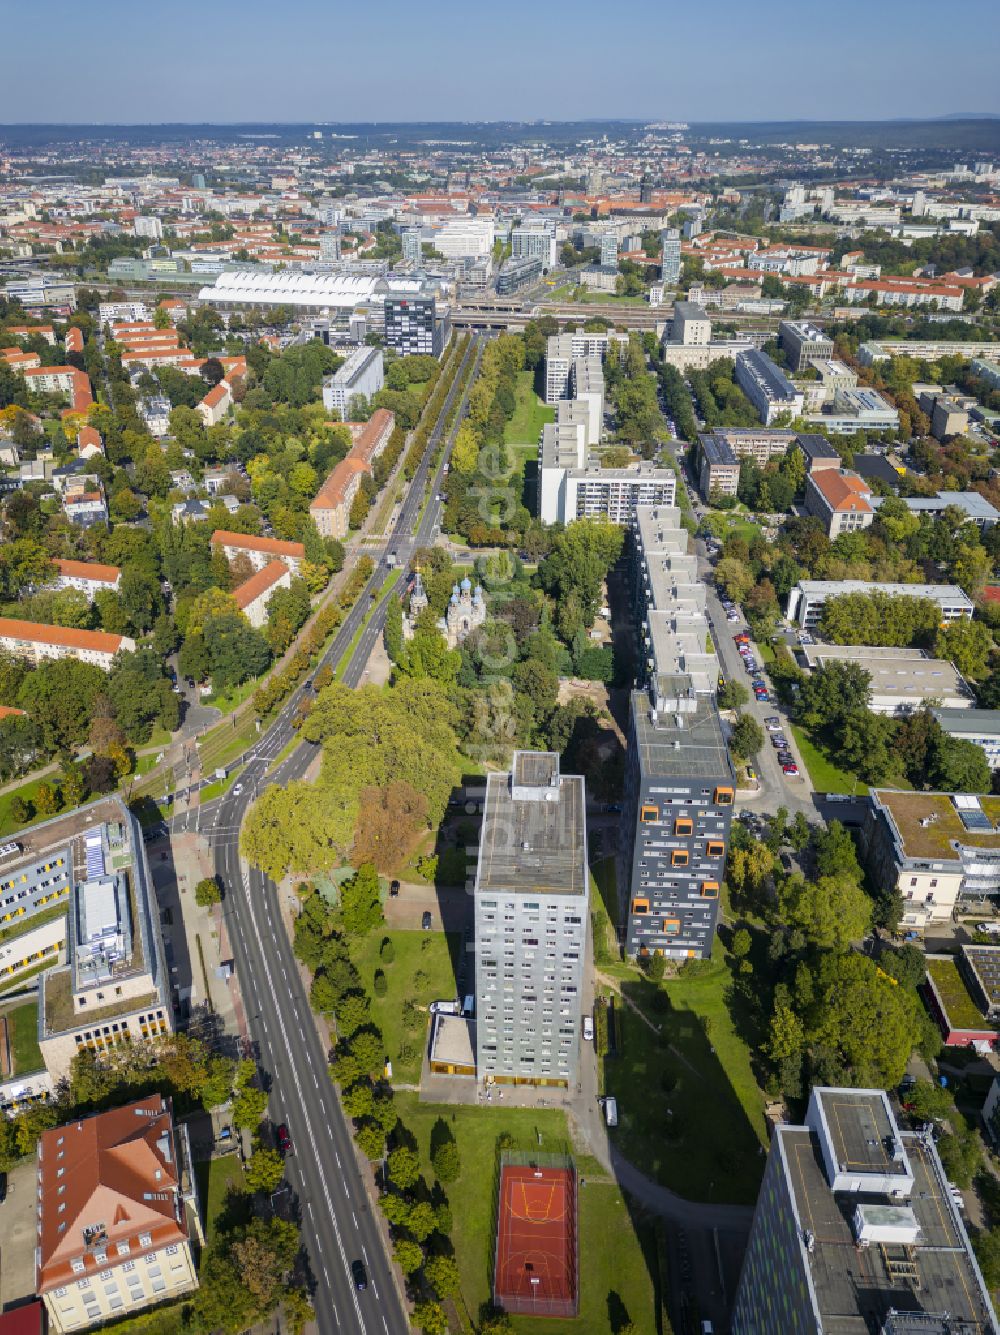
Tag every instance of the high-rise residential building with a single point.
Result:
(150, 227)
(531, 922)
(329, 245)
(609, 250)
(670, 255)
(561, 351)
(361, 375)
(198, 181)
(412, 252)
(857, 1230)
(679, 780)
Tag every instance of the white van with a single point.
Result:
(611, 1110)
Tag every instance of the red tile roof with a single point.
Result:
(259, 582)
(216, 395)
(88, 570)
(843, 491)
(40, 632)
(251, 543)
(116, 1170)
(7, 710)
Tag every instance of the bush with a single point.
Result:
(601, 1027)
(379, 985)
(387, 953)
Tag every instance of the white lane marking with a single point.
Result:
(302, 1105)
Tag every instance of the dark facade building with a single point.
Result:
(414, 327)
(679, 792)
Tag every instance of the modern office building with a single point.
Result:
(531, 922)
(859, 409)
(113, 987)
(670, 255)
(609, 251)
(413, 326)
(803, 343)
(536, 241)
(806, 599)
(679, 780)
(856, 1231)
(516, 273)
(690, 326)
(361, 375)
(117, 1214)
(768, 388)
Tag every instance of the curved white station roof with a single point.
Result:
(254, 287)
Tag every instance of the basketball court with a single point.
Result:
(536, 1260)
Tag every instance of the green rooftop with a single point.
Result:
(960, 1009)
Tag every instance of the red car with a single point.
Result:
(284, 1139)
(791, 770)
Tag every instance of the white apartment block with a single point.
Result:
(531, 923)
(87, 576)
(38, 642)
(123, 312)
(362, 374)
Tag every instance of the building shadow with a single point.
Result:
(681, 1123)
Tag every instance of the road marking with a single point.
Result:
(302, 1105)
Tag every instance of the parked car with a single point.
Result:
(790, 769)
(393, 889)
(444, 1008)
(284, 1139)
(425, 921)
(588, 1029)
(773, 724)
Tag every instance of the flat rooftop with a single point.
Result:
(906, 674)
(454, 1040)
(929, 824)
(693, 748)
(975, 722)
(985, 964)
(855, 1288)
(947, 595)
(534, 835)
(860, 1129)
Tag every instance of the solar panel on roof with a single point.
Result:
(973, 817)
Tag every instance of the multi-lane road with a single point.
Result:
(338, 1221)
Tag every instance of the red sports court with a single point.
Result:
(536, 1260)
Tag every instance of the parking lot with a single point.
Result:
(18, 1235)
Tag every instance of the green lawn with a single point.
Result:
(825, 775)
(605, 881)
(690, 1113)
(213, 790)
(215, 1180)
(614, 1240)
(28, 791)
(422, 972)
(227, 701)
(22, 1028)
(530, 413)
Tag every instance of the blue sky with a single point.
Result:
(219, 60)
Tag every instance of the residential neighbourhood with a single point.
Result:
(500, 686)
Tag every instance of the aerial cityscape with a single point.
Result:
(500, 675)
